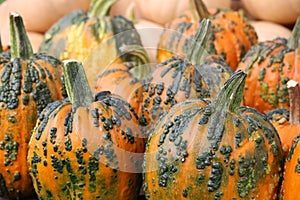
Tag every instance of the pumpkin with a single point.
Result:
(270, 65)
(39, 16)
(231, 35)
(286, 11)
(168, 9)
(267, 30)
(287, 122)
(124, 78)
(291, 176)
(217, 150)
(89, 146)
(29, 81)
(197, 75)
(77, 34)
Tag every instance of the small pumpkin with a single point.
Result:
(89, 146)
(197, 75)
(231, 34)
(287, 122)
(291, 176)
(77, 34)
(125, 78)
(270, 65)
(218, 150)
(29, 81)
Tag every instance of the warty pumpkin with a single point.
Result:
(291, 176)
(287, 122)
(270, 65)
(218, 150)
(77, 34)
(197, 75)
(89, 146)
(231, 34)
(29, 81)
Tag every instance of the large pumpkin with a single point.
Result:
(231, 34)
(196, 75)
(216, 150)
(287, 122)
(270, 65)
(86, 147)
(77, 34)
(28, 83)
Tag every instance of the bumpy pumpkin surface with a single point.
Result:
(28, 83)
(86, 148)
(270, 65)
(231, 34)
(217, 150)
(76, 34)
(197, 75)
(291, 176)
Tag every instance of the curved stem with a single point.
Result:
(77, 86)
(100, 8)
(197, 52)
(231, 94)
(294, 96)
(20, 43)
(199, 10)
(294, 40)
(142, 69)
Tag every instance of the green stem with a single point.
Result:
(100, 8)
(142, 69)
(1, 47)
(231, 94)
(294, 96)
(20, 43)
(294, 40)
(77, 86)
(199, 10)
(197, 52)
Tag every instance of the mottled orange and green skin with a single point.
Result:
(216, 150)
(91, 151)
(231, 36)
(269, 65)
(291, 176)
(28, 83)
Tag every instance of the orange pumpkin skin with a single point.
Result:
(231, 36)
(89, 149)
(28, 83)
(200, 151)
(270, 65)
(291, 177)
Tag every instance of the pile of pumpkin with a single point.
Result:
(211, 112)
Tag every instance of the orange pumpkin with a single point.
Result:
(270, 65)
(29, 82)
(231, 34)
(291, 176)
(287, 122)
(87, 147)
(216, 150)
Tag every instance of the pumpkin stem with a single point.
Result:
(231, 94)
(100, 8)
(142, 68)
(20, 43)
(197, 52)
(199, 10)
(294, 40)
(294, 96)
(77, 86)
